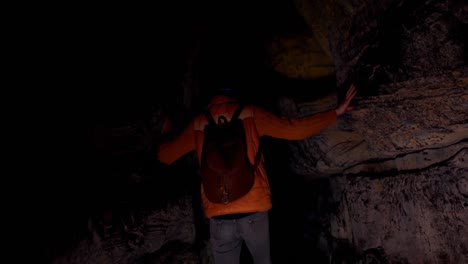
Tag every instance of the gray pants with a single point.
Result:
(227, 236)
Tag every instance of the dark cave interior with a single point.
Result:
(126, 65)
(123, 70)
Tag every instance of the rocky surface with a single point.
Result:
(411, 125)
(398, 169)
(372, 40)
(299, 57)
(411, 217)
(156, 236)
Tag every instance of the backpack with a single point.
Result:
(227, 174)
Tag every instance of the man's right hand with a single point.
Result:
(344, 106)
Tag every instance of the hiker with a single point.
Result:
(245, 218)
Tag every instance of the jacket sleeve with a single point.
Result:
(269, 124)
(182, 144)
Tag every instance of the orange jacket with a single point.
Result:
(257, 123)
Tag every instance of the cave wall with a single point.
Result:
(405, 128)
(374, 40)
(397, 174)
(406, 217)
(397, 163)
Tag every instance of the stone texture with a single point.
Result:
(299, 57)
(405, 128)
(412, 217)
(147, 238)
(369, 40)
(398, 165)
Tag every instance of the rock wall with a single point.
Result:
(398, 162)
(398, 169)
(407, 217)
(166, 235)
(374, 40)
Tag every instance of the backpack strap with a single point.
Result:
(238, 111)
(209, 117)
(259, 150)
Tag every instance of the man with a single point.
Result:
(246, 219)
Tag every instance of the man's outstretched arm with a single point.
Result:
(172, 150)
(299, 128)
